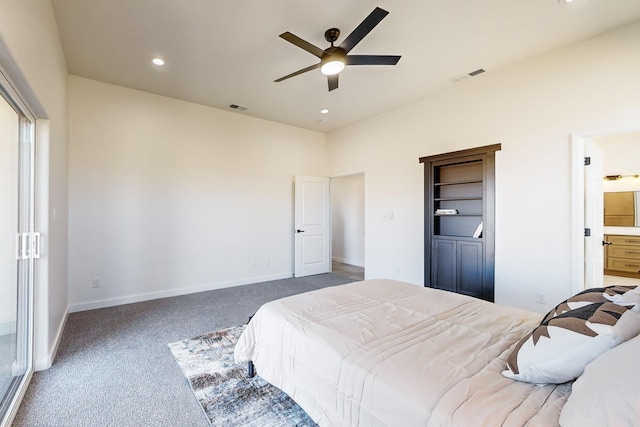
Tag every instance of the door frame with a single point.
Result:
(364, 213)
(578, 142)
(26, 312)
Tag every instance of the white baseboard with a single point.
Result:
(348, 261)
(43, 363)
(112, 302)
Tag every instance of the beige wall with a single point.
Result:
(169, 197)
(32, 55)
(531, 109)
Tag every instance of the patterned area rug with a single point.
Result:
(228, 396)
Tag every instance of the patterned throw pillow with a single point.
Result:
(573, 334)
(623, 294)
(586, 297)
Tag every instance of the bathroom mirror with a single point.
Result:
(622, 209)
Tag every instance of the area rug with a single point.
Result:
(226, 393)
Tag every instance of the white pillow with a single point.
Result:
(608, 392)
(558, 350)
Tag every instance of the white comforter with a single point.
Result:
(387, 353)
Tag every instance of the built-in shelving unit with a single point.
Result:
(459, 221)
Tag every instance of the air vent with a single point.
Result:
(238, 107)
(459, 78)
(462, 77)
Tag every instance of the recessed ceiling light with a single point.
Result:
(158, 61)
(324, 111)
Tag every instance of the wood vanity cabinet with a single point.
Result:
(622, 255)
(459, 215)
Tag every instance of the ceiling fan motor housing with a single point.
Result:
(331, 35)
(333, 53)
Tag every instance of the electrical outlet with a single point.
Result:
(540, 298)
(95, 282)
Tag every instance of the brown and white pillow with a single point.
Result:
(568, 338)
(586, 297)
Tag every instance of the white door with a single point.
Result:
(312, 226)
(593, 216)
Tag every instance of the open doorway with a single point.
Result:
(621, 195)
(348, 226)
(588, 231)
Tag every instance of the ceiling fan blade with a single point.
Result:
(303, 44)
(372, 59)
(363, 29)
(333, 82)
(304, 70)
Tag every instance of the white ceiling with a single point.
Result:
(228, 52)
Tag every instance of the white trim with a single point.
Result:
(347, 261)
(41, 364)
(577, 213)
(112, 302)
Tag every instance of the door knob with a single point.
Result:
(605, 243)
(299, 231)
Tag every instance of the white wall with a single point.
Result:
(531, 109)
(169, 197)
(347, 219)
(32, 55)
(621, 156)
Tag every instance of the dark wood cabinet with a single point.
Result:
(459, 217)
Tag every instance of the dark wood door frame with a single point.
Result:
(487, 156)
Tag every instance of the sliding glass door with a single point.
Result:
(18, 248)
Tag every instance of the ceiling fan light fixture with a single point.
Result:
(332, 67)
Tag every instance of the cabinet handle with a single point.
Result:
(632, 265)
(631, 252)
(631, 241)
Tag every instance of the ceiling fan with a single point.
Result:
(334, 58)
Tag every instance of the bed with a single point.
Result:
(388, 353)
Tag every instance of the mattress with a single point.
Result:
(388, 353)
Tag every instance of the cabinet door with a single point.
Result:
(443, 273)
(469, 258)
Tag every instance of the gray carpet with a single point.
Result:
(228, 396)
(113, 366)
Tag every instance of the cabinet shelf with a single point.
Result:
(474, 181)
(450, 199)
